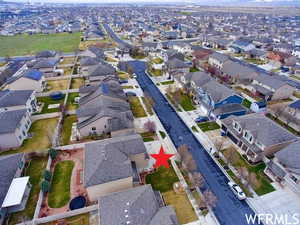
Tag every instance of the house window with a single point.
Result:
(295, 179)
(259, 144)
(20, 137)
(24, 133)
(93, 128)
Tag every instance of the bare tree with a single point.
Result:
(219, 144)
(210, 198)
(244, 174)
(177, 97)
(277, 110)
(191, 165)
(231, 156)
(183, 150)
(150, 126)
(197, 179)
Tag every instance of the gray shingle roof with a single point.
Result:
(137, 205)
(176, 64)
(108, 160)
(101, 70)
(220, 57)
(200, 78)
(8, 168)
(237, 70)
(270, 81)
(10, 120)
(290, 157)
(10, 98)
(260, 127)
(217, 91)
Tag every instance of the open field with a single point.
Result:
(30, 44)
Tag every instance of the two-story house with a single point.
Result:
(113, 164)
(14, 128)
(256, 135)
(11, 100)
(217, 60)
(285, 167)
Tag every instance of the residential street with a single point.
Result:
(229, 209)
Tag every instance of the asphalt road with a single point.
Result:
(229, 210)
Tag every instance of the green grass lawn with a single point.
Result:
(186, 103)
(67, 128)
(155, 72)
(70, 102)
(148, 106)
(59, 194)
(262, 185)
(48, 101)
(127, 87)
(148, 136)
(208, 126)
(30, 44)
(157, 60)
(77, 83)
(167, 82)
(34, 171)
(256, 61)
(246, 103)
(41, 131)
(194, 128)
(194, 69)
(136, 107)
(162, 179)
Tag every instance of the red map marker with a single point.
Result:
(161, 158)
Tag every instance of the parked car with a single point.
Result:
(134, 76)
(201, 119)
(237, 191)
(130, 93)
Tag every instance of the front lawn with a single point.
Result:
(34, 171)
(183, 209)
(136, 107)
(157, 60)
(127, 87)
(162, 179)
(123, 75)
(246, 103)
(68, 60)
(57, 85)
(194, 69)
(25, 44)
(208, 126)
(148, 105)
(67, 128)
(77, 83)
(155, 72)
(256, 61)
(148, 136)
(49, 101)
(186, 102)
(167, 82)
(71, 105)
(261, 184)
(81, 219)
(59, 194)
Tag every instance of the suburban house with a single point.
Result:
(103, 109)
(96, 74)
(282, 58)
(113, 164)
(94, 52)
(200, 55)
(14, 189)
(212, 94)
(171, 54)
(241, 45)
(135, 206)
(183, 48)
(271, 88)
(20, 99)
(251, 133)
(47, 54)
(28, 80)
(217, 60)
(176, 66)
(285, 167)
(13, 68)
(14, 128)
(86, 62)
(46, 65)
(237, 73)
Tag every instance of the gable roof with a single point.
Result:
(237, 70)
(199, 78)
(260, 127)
(217, 91)
(46, 54)
(45, 63)
(220, 57)
(9, 166)
(108, 160)
(10, 120)
(9, 98)
(270, 81)
(290, 157)
(101, 70)
(295, 105)
(176, 63)
(138, 206)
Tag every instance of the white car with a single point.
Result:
(237, 191)
(134, 76)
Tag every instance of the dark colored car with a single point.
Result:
(123, 81)
(201, 119)
(130, 93)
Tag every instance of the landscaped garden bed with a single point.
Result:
(208, 126)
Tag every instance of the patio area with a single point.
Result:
(76, 182)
